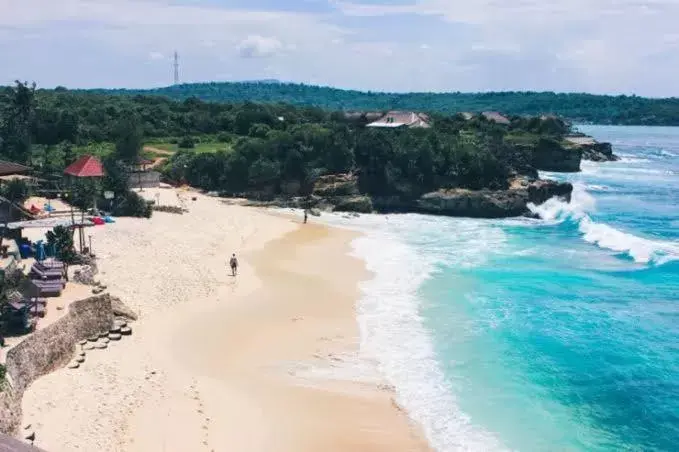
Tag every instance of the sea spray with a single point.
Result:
(580, 208)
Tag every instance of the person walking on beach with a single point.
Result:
(305, 215)
(234, 265)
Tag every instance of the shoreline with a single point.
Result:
(263, 360)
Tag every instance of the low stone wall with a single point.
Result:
(46, 350)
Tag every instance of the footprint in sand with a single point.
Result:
(206, 420)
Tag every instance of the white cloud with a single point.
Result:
(155, 56)
(256, 46)
(602, 45)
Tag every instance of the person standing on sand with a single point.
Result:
(234, 265)
(305, 216)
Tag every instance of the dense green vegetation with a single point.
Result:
(263, 149)
(49, 133)
(577, 107)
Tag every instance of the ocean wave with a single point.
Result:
(392, 330)
(640, 249)
(596, 187)
(625, 158)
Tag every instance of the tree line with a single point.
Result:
(577, 107)
(273, 148)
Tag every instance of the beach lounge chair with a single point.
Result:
(51, 264)
(37, 309)
(39, 272)
(20, 304)
(49, 287)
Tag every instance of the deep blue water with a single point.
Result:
(539, 335)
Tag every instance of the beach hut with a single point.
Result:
(88, 167)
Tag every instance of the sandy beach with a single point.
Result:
(265, 361)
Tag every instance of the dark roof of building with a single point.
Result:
(85, 166)
(7, 168)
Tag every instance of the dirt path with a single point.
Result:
(158, 150)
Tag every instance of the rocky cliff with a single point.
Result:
(340, 193)
(591, 149)
(551, 155)
(493, 203)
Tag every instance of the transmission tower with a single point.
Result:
(176, 68)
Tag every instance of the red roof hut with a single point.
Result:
(85, 166)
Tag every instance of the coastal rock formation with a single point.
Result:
(550, 155)
(340, 193)
(336, 186)
(360, 204)
(540, 191)
(474, 203)
(599, 152)
(591, 149)
(493, 203)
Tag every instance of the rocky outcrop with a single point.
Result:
(599, 152)
(360, 204)
(540, 191)
(492, 203)
(336, 186)
(550, 155)
(591, 149)
(474, 203)
(340, 193)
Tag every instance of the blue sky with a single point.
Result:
(601, 46)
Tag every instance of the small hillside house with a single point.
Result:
(395, 119)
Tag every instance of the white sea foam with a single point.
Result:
(596, 187)
(630, 159)
(582, 204)
(392, 330)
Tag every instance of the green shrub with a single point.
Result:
(186, 143)
(61, 238)
(16, 191)
(133, 205)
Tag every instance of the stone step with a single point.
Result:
(115, 336)
(73, 365)
(126, 331)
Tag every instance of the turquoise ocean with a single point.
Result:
(560, 334)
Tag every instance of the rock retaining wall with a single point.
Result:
(46, 350)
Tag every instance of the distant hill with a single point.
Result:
(585, 108)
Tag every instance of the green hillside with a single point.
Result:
(584, 108)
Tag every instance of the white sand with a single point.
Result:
(208, 364)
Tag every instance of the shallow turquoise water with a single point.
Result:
(539, 335)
